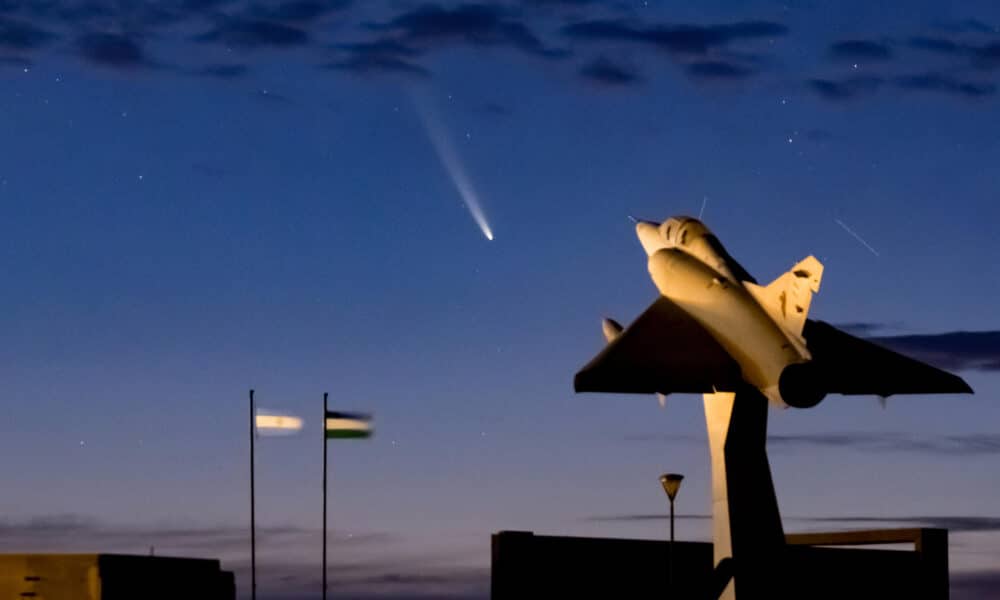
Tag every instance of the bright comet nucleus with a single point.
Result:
(452, 165)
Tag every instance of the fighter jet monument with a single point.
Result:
(714, 331)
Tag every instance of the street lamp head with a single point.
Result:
(671, 482)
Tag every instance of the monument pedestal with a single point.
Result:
(747, 536)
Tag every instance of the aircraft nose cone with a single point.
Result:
(649, 236)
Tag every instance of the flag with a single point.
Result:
(271, 423)
(347, 425)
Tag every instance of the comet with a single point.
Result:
(452, 164)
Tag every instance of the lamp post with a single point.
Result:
(671, 483)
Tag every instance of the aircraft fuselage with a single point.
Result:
(729, 313)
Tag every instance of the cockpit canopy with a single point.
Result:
(681, 231)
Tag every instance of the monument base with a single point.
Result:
(748, 540)
(526, 565)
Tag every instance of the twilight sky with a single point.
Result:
(198, 197)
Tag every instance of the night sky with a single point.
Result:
(198, 197)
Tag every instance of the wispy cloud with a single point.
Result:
(605, 72)
(79, 533)
(959, 60)
(955, 350)
(223, 71)
(973, 444)
(866, 328)
(379, 56)
(363, 564)
(684, 39)
(849, 88)
(255, 33)
(946, 84)
(954, 523)
(407, 579)
(717, 70)
(975, 585)
(117, 51)
(431, 25)
(860, 50)
(21, 35)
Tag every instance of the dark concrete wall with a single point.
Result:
(112, 577)
(530, 566)
(126, 577)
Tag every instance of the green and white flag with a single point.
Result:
(341, 425)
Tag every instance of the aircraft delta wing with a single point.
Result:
(667, 352)
(663, 351)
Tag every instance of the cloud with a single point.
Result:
(987, 56)
(957, 350)
(560, 3)
(717, 70)
(860, 50)
(966, 26)
(953, 523)
(400, 578)
(974, 585)
(364, 565)
(380, 56)
(975, 444)
(936, 82)
(955, 445)
(606, 73)
(397, 42)
(79, 533)
(938, 45)
(299, 10)
(375, 64)
(223, 71)
(982, 56)
(431, 25)
(19, 35)
(117, 51)
(695, 40)
(865, 328)
(14, 61)
(645, 517)
(845, 89)
(381, 47)
(255, 33)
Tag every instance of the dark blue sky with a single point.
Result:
(199, 197)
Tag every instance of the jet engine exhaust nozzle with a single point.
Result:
(799, 386)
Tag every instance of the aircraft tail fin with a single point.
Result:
(787, 298)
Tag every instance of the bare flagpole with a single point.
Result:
(253, 523)
(324, 493)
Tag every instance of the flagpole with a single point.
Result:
(324, 493)
(253, 523)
